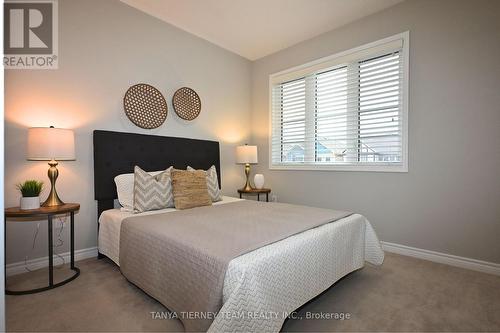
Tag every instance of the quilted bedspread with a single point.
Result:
(181, 258)
(263, 287)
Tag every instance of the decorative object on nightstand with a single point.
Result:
(30, 194)
(258, 181)
(246, 155)
(49, 213)
(51, 144)
(255, 191)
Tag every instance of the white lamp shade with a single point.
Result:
(47, 143)
(246, 154)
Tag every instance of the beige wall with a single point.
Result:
(104, 47)
(449, 199)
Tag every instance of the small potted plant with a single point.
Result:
(30, 191)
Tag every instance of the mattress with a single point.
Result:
(262, 287)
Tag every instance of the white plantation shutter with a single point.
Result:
(380, 96)
(293, 114)
(346, 112)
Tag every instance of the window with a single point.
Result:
(344, 112)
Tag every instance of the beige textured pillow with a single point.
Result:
(190, 189)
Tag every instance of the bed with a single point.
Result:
(260, 287)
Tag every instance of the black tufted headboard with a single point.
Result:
(116, 153)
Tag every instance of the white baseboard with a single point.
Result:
(443, 258)
(19, 267)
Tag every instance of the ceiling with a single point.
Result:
(256, 28)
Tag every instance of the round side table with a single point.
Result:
(257, 192)
(48, 212)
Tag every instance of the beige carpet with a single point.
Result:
(405, 294)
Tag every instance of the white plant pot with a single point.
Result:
(30, 202)
(258, 180)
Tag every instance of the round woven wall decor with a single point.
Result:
(187, 103)
(145, 106)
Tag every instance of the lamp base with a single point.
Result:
(247, 186)
(53, 198)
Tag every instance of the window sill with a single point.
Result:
(361, 168)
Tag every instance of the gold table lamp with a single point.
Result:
(51, 144)
(246, 155)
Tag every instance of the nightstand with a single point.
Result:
(254, 191)
(49, 213)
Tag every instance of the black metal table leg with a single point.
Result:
(267, 197)
(258, 196)
(72, 239)
(5, 253)
(51, 254)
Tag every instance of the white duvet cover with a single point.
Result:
(263, 287)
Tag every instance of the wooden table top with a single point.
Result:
(42, 211)
(255, 190)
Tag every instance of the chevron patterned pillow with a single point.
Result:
(152, 192)
(212, 183)
(125, 189)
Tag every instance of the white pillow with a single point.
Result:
(125, 189)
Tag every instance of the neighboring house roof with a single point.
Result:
(320, 149)
(296, 150)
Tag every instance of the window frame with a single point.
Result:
(314, 65)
